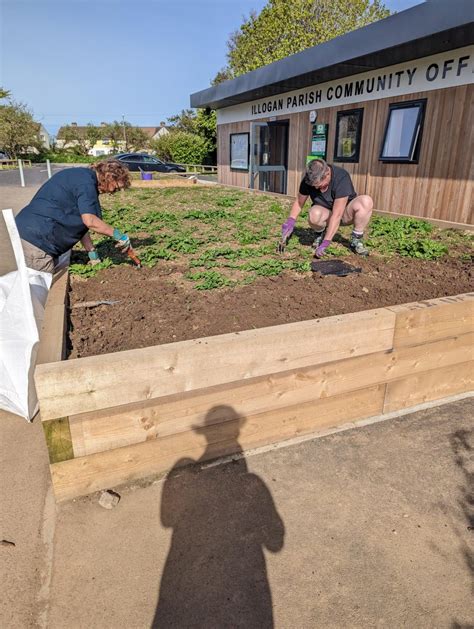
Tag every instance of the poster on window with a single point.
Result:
(239, 151)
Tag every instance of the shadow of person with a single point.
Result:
(222, 518)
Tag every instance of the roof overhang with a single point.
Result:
(426, 29)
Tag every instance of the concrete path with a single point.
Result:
(27, 516)
(363, 528)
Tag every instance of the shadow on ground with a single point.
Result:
(222, 518)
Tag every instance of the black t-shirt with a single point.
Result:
(52, 220)
(339, 186)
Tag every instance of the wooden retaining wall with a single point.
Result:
(120, 417)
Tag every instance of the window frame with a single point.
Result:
(415, 144)
(341, 114)
(237, 169)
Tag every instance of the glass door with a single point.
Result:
(269, 156)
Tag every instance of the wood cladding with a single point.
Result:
(438, 187)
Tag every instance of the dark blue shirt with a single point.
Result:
(52, 220)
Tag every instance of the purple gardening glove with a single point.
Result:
(287, 228)
(321, 250)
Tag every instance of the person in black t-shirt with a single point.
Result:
(334, 202)
(63, 211)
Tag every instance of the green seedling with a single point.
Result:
(209, 280)
(89, 270)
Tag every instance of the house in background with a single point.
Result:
(104, 146)
(44, 140)
(44, 137)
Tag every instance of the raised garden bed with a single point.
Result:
(211, 268)
(292, 370)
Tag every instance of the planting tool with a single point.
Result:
(133, 256)
(333, 267)
(93, 304)
(286, 231)
(280, 248)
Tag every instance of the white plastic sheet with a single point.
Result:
(23, 296)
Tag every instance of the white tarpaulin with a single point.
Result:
(23, 296)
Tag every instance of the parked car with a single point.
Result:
(148, 163)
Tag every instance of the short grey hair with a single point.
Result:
(316, 170)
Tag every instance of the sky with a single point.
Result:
(98, 60)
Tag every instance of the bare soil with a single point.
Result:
(156, 306)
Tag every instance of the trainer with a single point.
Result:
(334, 202)
(63, 211)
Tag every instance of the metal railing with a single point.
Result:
(200, 169)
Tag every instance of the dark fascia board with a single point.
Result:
(426, 29)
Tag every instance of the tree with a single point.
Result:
(92, 135)
(285, 27)
(188, 148)
(181, 147)
(202, 123)
(184, 121)
(76, 138)
(135, 138)
(223, 75)
(206, 127)
(114, 132)
(18, 130)
(162, 146)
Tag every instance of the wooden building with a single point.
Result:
(391, 103)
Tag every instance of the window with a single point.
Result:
(402, 137)
(348, 134)
(239, 151)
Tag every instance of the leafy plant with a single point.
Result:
(150, 256)
(248, 237)
(266, 267)
(210, 280)
(422, 248)
(182, 243)
(227, 201)
(89, 270)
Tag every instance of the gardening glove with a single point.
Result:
(93, 257)
(321, 250)
(287, 228)
(123, 241)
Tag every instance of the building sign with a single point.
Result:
(448, 69)
(319, 140)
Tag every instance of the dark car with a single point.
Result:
(148, 163)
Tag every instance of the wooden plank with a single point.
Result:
(435, 319)
(58, 440)
(53, 331)
(52, 348)
(97, 382)
(7, 259)
(84, 475)
(124, 425)
(430, 385)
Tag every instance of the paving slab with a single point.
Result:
(365, 528)
(27, 514)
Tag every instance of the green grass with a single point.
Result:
(214, 237)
